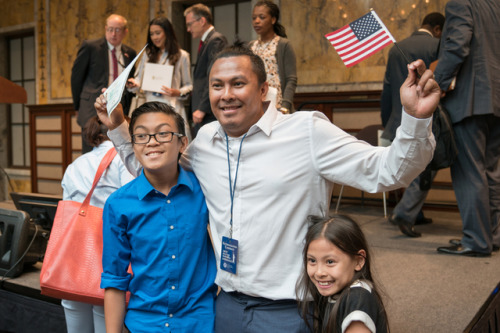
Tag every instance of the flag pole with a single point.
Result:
(394, 40)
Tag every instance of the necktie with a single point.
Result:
(115, 64)
(199, 46)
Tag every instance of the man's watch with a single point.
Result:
(284, 110)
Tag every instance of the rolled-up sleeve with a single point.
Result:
(342, 159)
(116, 250)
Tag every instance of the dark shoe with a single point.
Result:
(405, 227)
(461, 251)
(408, 229)
(424, 220)
(458, 242)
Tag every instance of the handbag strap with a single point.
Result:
(105, 162)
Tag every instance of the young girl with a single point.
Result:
(336, 291)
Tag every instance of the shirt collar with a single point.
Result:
(205, 34)
(144, 187)
(111, 47)
(264, 124)
(425, 30)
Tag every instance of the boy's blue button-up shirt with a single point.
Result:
(166, 241)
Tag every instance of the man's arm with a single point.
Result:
(342, 159)
(118, 134)
(79, 73)
(455, 42)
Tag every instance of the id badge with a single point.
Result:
(229, 255)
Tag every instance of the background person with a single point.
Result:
(276, 51)
(97, 64)
(337, 275)
(199, 23)
(76, 184)
(469, 47)
(422, 44)
(163, 48)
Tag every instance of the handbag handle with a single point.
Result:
(105, 162)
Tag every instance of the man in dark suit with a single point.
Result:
(422, 44)
(199, 23)
(469, 52)
(97, 64)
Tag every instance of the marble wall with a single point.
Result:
(319, 66)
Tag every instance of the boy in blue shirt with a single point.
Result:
(158, 224)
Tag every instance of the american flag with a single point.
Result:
(360, 39)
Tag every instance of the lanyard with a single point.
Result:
(232, 188)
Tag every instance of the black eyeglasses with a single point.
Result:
(160, 137)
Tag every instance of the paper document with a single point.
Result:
(156, 76)
(114, 92)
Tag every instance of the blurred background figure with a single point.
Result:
(163, 48)
(277, 53)
(422, 44)
(76, 183)
(97, 64)
(469, 53)
(199, 23)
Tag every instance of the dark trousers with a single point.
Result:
(476, 180)
(239, 313)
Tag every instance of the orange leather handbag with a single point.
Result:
(72, 265)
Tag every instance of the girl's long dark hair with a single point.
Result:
(274, 11)
(344, 233)
(171, 43)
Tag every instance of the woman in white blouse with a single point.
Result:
(164, 49)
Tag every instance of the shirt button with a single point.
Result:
(171, 227)
(173, 257)
(171, 315)
(167, 325)
(168, 201)
(173, 287)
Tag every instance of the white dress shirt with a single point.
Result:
(119, 58)
(79, 176)
(287, 169)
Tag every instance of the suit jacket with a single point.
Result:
(214, 43)
(90, 73)
(420, 45)
(469, 50)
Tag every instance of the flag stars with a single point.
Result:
(365, 26)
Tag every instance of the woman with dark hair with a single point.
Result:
(277, 53)
(163, 48)
(76, 184)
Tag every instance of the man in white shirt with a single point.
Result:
(263, 172)
(97, 64)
